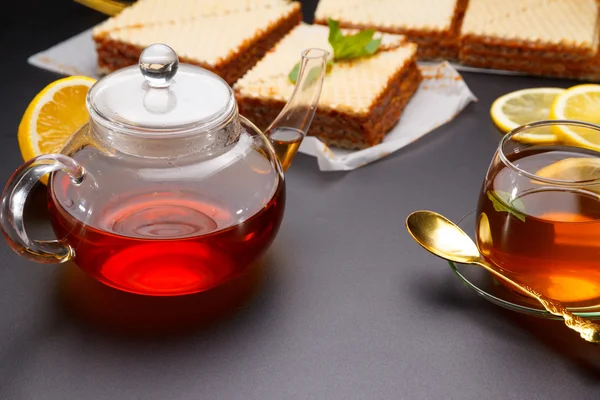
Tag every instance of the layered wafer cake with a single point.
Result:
(432, 24)
(361, 99)
(225, 36)
(147, 12)
(539, 37)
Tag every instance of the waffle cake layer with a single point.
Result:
(147, 12)
(225, 36)
(529, 33)
(361, 99)
(432, 24)
(581, 71)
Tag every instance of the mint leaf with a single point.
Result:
(311, 77)
(349, 47)
(293, 76)
(344, 47)
(373, 45)
(502, 202)
(335, 34)
(312, 74)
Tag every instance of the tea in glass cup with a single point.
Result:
(539, 210)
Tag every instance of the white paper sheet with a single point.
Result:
(442, 95)
(74, 56)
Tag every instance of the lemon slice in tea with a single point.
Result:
(572, 169)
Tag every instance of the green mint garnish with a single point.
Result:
(502, 202)
(345, 47)
(294, 73)
(312, 74)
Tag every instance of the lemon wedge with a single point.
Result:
(525, 106)
(572, 169)
(582, 103)
(53, 115)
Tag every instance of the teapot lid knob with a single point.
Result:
(159, 64)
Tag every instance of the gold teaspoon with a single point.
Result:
(442, 237)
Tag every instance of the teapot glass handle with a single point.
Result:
(13, 202)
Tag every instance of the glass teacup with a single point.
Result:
(538, 216)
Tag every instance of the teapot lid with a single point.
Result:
(161, 95)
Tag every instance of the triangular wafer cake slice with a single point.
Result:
(228, 44)
(432, 24)
(147, 12)
(540, 31)
(361, 99)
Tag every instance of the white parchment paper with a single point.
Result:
(442, 95)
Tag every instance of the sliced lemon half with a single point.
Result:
(525, 106)
(53, 116)
(582, 103)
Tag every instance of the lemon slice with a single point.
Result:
(572, 169)
(525, 106)
(582, 103)
(53, 115)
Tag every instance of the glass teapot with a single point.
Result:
(167, 190)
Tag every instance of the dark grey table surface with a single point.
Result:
(346, 306)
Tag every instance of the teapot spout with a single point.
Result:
(291, 125)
